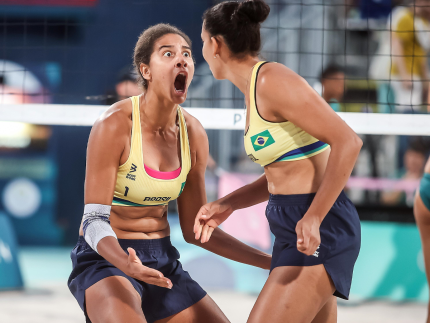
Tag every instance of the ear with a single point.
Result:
(145, 71)
(216, 45)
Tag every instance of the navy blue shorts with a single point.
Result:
(157, 302)
(340, 237)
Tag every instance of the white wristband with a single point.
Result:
(96, 224)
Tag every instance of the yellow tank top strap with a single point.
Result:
(252, 92)
(136, 146)
(185, 145)
(136, 134)
(254, 116)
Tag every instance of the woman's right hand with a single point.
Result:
(209, 217)
(148, 275)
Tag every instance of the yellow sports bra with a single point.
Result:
(267, 142)
(137, 184)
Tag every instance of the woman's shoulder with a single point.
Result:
(194, 127)
(275, 77)
(273, 73)
(197, 137)
(117, 118)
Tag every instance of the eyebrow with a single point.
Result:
(170, 46)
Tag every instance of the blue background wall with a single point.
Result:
(79, 54)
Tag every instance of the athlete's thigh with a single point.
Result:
(204, 311)
(422, 214)
(113, 299)
(293, 294)
(328, 314)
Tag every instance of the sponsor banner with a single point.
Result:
(367, 183)
(249, 225)
(391, 264)
(10, 274)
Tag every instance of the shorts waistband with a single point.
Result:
(147, 244)
(298, 199)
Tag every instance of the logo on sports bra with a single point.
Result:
(157, 199)
(133, 168)
(262, 140)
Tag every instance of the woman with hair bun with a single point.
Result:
(143, 152)
(308, 154)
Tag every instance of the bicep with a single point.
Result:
(103, 155)
(194, 195)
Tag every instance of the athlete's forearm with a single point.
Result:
(226, 246)
(248, 195)
(342, 158)
(110, 250)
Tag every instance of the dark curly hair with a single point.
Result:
(145, 45)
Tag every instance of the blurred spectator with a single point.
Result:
(410, 39)
(18, 85)
(414, 161)
(332, 86)
(126, 87)
(428, 99)
(375, 9)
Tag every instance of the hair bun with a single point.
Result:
(254, 11)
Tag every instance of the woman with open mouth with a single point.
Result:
(307, 152)
(142, 153)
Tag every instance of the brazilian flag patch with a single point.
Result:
(262, 140)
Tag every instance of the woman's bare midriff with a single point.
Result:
(130, 222)
(297, 177)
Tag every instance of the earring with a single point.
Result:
(216, 56)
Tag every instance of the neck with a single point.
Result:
(157, 112)
(239, 72)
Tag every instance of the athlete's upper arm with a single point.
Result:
(194, 194)
(289, 96)
(105, 146)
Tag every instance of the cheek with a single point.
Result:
(204, 50)
(190, 74)
(161, 75)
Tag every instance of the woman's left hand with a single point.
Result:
(308, 234)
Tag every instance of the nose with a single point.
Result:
(181, 63)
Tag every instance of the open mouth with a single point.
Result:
(180, 82)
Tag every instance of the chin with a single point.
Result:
(179, 99)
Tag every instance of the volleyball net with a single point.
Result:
(62, 63)
(212, 118)
(63, 66)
